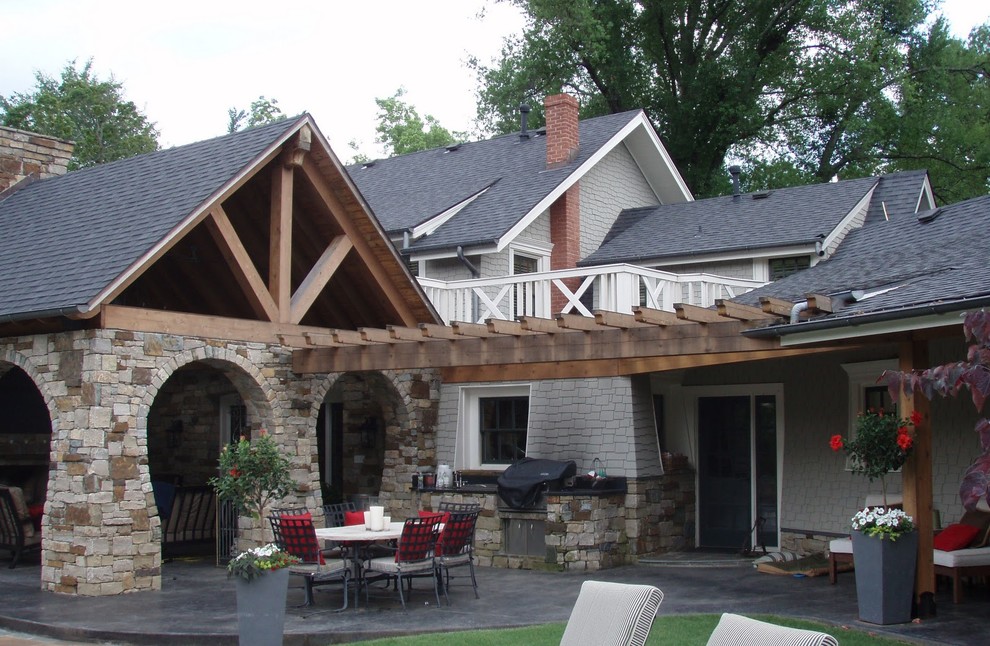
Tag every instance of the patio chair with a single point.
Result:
(460, 507)
(17, 532)
(455, 548)
(296, 535)
(612, 614)
(736, 629)
(334, 513)
(413, 557)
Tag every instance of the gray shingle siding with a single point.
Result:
(614, 184)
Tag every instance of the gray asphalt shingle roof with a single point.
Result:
(798, 215)
(64, 239)
(906, 262)
(409, 190)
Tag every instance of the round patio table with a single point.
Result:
(355, 536)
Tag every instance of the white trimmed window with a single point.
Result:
(493, 426)
(864, 391)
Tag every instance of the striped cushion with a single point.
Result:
(612, 614)
(733, 630)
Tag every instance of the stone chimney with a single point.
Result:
(27, 154)
(565, 214)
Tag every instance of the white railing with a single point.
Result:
(616, 288)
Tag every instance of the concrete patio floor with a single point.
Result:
(197, 605)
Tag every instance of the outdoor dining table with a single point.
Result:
(356, 536)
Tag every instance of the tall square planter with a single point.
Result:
(261, 608)
(885, 577)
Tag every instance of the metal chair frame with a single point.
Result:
(413, 557)
(455, 548)
(297, 536)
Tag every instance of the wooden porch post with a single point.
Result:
(917, 479)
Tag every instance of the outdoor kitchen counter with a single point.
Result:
(582, 487)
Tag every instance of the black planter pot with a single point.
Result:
(885, 577)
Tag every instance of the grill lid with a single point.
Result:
(520, 484)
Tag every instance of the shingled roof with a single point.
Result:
(64, 239)
(935, 261)
(507, 177)
(69, 243)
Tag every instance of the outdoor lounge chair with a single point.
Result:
(612, 614)
(969, 559)
(17, 533)
(736, 630)
(296, 535)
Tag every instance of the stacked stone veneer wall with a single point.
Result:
(27, 153)
(101, 530)
(585, 532)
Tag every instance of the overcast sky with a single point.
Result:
(184, 63)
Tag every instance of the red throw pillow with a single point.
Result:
(955, 537)
(299, 536)
(353, 518)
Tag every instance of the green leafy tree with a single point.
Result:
(262, 111)
(402, 130)
(253, 474)
(798, 90)
(80, 107)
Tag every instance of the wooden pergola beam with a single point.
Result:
(741, 312)
(696, 314)
(611, 367)
(657, 317)
(577, 322)
(618, 320)
(502, 326)
(536, 324)
(601, 343)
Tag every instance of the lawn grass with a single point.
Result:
(683, 630)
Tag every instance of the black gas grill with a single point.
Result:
(521, 483)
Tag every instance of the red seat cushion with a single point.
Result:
(444, 516)
(353, 518)
(955, 537)
(300, 537)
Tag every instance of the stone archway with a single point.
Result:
(405, 405)
(25, 441)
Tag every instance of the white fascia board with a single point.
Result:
(741, 254)
(852, 220)
(441, 254)
(638, 124)
(653, 159)
(197, 214)
(926, 199)
(853, 331)
(436, 222)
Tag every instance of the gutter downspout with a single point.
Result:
(475, 273)
(797, 309)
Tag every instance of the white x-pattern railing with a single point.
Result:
(615, 288)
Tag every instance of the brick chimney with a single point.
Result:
(565, 214)
(26, 154)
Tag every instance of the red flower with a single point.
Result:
(836, 443)
(904, 441)
(915, 417)
(902, 430)
(234, 473)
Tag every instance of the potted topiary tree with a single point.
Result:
(885, 544)
(252, 476)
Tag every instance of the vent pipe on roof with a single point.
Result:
(735, 171)
(524, 121)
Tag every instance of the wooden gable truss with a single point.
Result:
(287, 249)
